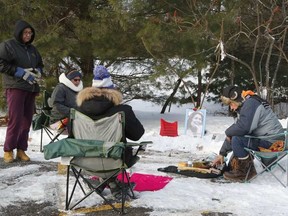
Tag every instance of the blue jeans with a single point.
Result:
(239, 142)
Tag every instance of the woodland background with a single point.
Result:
(186, 49)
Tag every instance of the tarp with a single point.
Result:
(148, 182)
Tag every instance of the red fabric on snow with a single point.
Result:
(168, 128)
(147, 182)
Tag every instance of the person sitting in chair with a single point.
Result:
(64, 97)
(103, 99)
(256, 118)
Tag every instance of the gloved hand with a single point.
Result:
(26, 75)
(218, 160)
(36, 72)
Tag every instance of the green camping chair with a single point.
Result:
(41, 121)
(96, 150)
(273, 159)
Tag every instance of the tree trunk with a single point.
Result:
(171, 96)
(87, 65)
(199, 89)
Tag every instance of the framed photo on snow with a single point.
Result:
(195, 122)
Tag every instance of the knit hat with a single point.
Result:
(73, 73)
(232, 94)
(102, 78)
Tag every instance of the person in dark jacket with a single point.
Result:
(103, 99)
(63, 97)
(256, 118)
(21, 66)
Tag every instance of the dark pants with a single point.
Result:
(21, 107)
(238, 143)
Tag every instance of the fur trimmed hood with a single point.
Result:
(91, 92)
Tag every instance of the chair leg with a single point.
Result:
(56, 137)
(67, 188)
(267, 168)
(50, 135)
(248, 172)
(287, 171)
(41, 140)
(77, 174)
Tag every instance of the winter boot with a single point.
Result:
(8, 157)
(21, 155)
(233, 164)
(239, 170)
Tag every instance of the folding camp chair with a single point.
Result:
(97, 151)
(270, 159)
(41, 121)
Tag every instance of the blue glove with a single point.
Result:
(19, 72)
(25, 74)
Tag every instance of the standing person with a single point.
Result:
(63, 97)
(256, 118)
(103, 99)
(21, 66)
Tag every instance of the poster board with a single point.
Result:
(195, 122)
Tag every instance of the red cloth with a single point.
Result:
(168, 128)
(147, 182)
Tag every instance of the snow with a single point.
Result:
(182, 195)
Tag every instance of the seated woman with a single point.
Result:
(103, 99)
(64, 97)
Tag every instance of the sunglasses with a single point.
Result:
(76, 80)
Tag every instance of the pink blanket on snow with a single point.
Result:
(147, 182)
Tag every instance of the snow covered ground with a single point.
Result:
(182, 195)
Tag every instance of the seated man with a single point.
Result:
(103, 99)
(256, 118)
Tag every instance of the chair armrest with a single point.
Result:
(267, 137)
(131, 144)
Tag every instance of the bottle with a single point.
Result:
(189, 162)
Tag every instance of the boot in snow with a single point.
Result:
(8, 157)
(21, 155)
(240, 170)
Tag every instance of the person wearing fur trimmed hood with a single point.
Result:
(256, 118)
(103, 99)
(63, 97)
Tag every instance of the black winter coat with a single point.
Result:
(95, 102)
(14, 53)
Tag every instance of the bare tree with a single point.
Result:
(267, 34)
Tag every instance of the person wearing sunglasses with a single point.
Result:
(21, 66)
(63, 97)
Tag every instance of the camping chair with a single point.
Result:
(97, 151)
(270, 159)
(41, 121)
